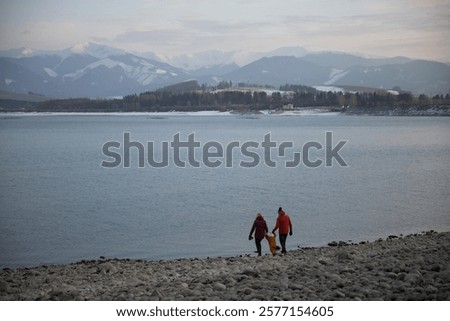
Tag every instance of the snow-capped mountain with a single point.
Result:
(205, 59)
(280, 70)
(418, 76)
(92, 70)
(341, 60)
(340, 69)
(86, 70)
(88, 49)
(94, 50)
(212, 59)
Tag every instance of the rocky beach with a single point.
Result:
(413, 267)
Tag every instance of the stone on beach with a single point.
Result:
(414, 267)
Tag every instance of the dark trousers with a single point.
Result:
(258, 245)
(283, 238)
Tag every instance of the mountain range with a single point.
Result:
(92, 70)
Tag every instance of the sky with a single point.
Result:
(381, 28)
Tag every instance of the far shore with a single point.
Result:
(414, 267)
(424, 111)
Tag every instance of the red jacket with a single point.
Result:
(283, 223)
(260, 228)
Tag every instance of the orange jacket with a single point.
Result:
(283, 223)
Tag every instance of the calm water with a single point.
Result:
(58, 205)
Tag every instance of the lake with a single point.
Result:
(60, 205)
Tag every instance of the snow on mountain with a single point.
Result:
(329, 88)
(205, 59)
(288, 51)
(92, 70)
(216, 60)
(24, 52)
(94, 50)
(335, 75)
(86, 70)
(50, 72)
(141, 70)
(418, 76)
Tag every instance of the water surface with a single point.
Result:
(58, 205)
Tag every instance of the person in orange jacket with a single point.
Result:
(260, 228)
(285, 225)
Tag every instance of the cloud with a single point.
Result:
(146, 36)
(215, 27)
(177, 27)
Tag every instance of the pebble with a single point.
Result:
(219, 286)
(407, 268)
(4, 287)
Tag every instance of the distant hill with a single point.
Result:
(277, 71)
(344, 61)
(182, 87)
(418, 76)
(30, 97)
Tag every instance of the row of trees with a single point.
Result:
(225, 99)
(265, 100)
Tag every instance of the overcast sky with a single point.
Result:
(413, 28)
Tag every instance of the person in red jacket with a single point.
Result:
(285, 225)
(260, 229)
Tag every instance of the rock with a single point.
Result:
(414, 278)
(445, 276)
(431, 289)
(338, 294)
(241, 277)
(435, 268)
(347, 269)
(60, 295)
(186, 293)
(369, 266)
(251, 273)
(219, 286)
(294, 286)
(325, 262)
(343, 255)
(107, 268)
(247, 291)
(229, 281)
(333, 243)
(392, 275)
(156, 296)
(337, 280)
(384, 285)
(413, 268)
(256, 297)
(4, 287)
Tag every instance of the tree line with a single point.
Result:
(206, 98)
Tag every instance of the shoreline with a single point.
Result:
(413, 267)
(417, 111)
